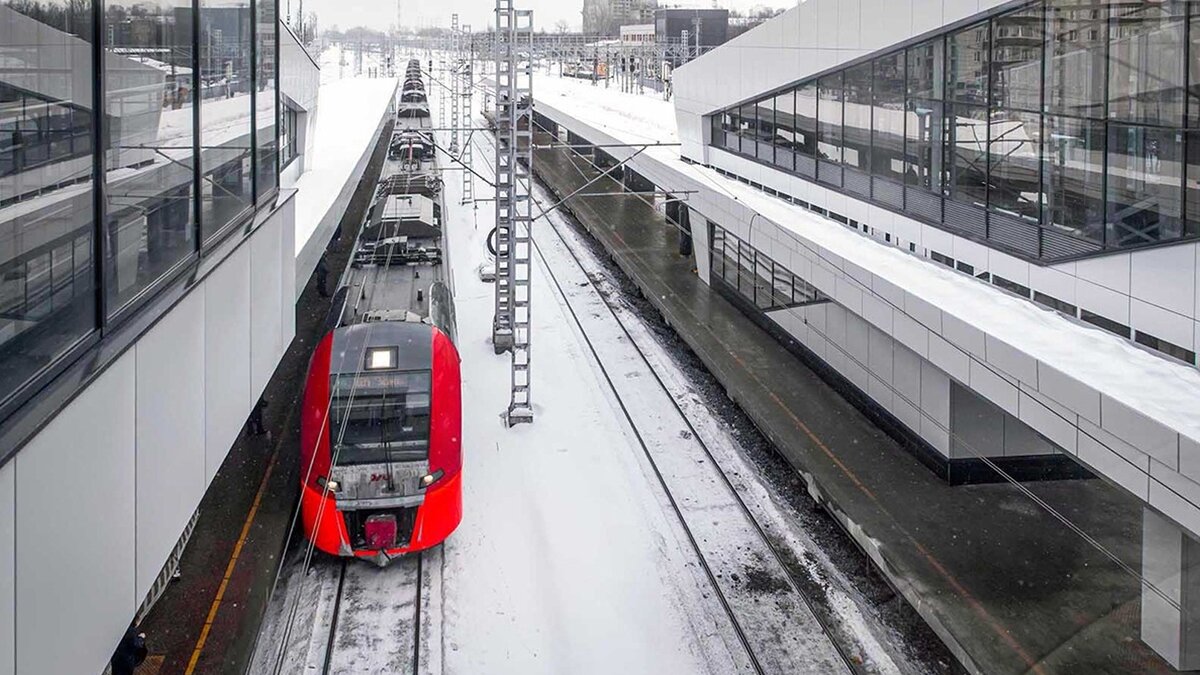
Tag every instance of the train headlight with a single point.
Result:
(330, 485)
(431, 478)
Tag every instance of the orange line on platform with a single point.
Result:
(237, 552)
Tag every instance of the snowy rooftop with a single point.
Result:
(1162, 390)
(348, 117)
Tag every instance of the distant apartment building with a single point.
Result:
(605, 17)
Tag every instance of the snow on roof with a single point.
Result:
(348, 116)
(1165, 391)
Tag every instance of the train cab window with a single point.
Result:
(384, 417)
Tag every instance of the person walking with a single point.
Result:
(131, 652)
(255, 422)
(322, 277)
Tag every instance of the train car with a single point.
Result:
(381, 432)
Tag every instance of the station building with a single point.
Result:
(148, 281)
(1020, 301)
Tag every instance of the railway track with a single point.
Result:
(343, 617)
(741, 562)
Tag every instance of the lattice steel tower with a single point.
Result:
(514, 167)
(455, 81)
(468, 79)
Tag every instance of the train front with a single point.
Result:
(381, 441)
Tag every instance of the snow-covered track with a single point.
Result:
(771, 616)
(343, 617)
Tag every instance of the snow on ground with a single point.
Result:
(1160, 389)
(566, 561)
(348, 117)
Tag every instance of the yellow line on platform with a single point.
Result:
(237, 552)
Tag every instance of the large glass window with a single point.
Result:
(1194, 71)
(149, 220)
(225, 157)
(47, 297)
(1073, 178)
(806, 118)
(1192, 194)
(1070, 116)
(785, 139)
(1014, 133)
(1078, 35)
(764, 130)
(1146, 63)
(857, 118)
(887, 117)
(265, 116)
(829, 136)
(966, 147)
(1016, 60)
(1014, 157)
(925, 116)
(966, 65)
(1145, 185)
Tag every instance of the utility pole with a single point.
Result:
(514, 170)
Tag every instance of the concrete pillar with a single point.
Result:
(1171, 563)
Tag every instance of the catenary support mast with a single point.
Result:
(514, 170)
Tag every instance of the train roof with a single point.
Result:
(381, 347)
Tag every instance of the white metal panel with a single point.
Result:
(963, 335)
(952, 360)
(877, 312)
(287, 253)
(953, 10)
(1177, 508)
(910, 333)
(1166, 277)
(1103, 301)
(1047, 422)
(1011, 360)
(1140, 431)
(1161, 323)
(1052, 282)
(1189, 457)
(1069, 392)
(75, 600)
(266, 292)
(170, 433)
(1113, 466)
(935, 407)
(227, 399)
(993, 387)
(8, 569)
(1004, 265)
(923, 311)
(972, 253)
(1109, 271)
(880, 348)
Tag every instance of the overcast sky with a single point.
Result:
(477, 13)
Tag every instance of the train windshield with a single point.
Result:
(379, 417)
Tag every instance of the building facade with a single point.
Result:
(1004, 165)
(605, 17)
(147, 288)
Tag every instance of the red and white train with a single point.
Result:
(381, 432)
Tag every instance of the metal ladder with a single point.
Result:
(455, 82)
(514, 164)
(468, 75)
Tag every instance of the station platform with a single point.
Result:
(1008, 588)
(207, 619)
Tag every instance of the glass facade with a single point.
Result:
(101, 203)
(1054, 130)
